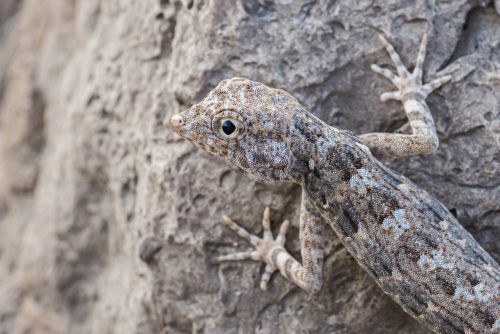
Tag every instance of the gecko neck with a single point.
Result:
(325, 159)
(313, 143)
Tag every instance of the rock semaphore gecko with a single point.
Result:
(413, 247)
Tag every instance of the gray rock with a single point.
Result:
(109, 223)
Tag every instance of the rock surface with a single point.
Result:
(109, 223)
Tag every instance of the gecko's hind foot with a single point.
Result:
(263, 246)
(406, 82)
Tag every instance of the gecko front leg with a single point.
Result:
(412, 93)
(307, 275)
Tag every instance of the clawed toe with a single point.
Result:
(266, 276)
(386, 73)
(435, 84)
(391, 96)
(253, 255)
(400, 68)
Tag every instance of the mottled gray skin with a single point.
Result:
(404, 238)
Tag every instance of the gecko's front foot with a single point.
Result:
(408, 84)
(264, 247)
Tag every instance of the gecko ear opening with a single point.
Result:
(229, 125)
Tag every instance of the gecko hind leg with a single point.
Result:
(412, 93)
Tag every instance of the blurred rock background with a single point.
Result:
(109, 223)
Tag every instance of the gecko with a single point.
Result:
(407, 240)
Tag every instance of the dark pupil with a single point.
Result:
(228, 127)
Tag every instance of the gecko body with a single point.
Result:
(413, 247)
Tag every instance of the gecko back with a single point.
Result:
(417, 251)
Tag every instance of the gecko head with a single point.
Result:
(247, 124)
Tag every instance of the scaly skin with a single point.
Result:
(403, 237)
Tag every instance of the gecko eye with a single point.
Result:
(228, 127)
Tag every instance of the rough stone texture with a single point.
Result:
(109, 223)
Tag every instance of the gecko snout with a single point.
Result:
(175, 121)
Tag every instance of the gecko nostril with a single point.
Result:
(176, 121)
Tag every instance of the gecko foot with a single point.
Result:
(263, 246)
(406, 82)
